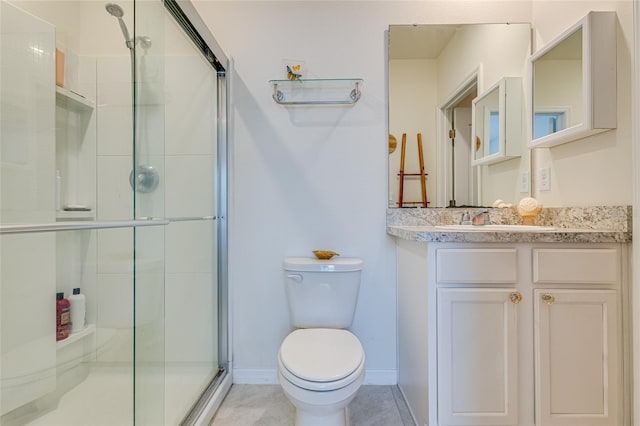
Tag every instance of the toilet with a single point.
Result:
(321, 363)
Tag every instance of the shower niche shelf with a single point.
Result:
(318, 91)
(73, 100)
(89, 330)
(76, 152)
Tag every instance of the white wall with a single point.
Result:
(596, 170)
(312, 178)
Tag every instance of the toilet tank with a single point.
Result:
(322, 293)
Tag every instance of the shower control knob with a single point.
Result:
(144, 179)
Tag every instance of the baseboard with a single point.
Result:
(255, 377)
(270, 377)
(381, 377)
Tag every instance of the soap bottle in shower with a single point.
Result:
(78, 309)
(62, 317)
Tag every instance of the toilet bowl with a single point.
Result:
(320, 371)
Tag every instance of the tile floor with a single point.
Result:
(266, 405)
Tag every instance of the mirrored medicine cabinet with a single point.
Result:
(497, 122)
(573, 83)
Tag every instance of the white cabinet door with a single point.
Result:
(477, 357)
(576, 356)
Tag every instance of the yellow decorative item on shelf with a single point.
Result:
(293, 72)
(325, 254)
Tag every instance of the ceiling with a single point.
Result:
(419, 41)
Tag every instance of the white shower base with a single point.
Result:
(105, 397)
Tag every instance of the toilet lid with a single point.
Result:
(321, 354)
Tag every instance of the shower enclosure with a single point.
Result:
(113, 181)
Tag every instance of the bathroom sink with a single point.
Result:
(491, 228)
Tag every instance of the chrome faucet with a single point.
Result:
(480, 217)
(465, 219)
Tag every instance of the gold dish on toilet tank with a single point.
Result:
(325, 254)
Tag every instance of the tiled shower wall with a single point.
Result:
(27, 154)
(175, 265)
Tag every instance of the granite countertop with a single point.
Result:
(558, 235)
(600, 224)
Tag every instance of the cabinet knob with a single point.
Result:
(548, 298)
(515, 297)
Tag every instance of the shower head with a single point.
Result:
(116, 11)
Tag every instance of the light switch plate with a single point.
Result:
(524, 182)
(544, 179)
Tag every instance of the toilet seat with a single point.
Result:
(321, 359)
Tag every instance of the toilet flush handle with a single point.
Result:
(295, 277)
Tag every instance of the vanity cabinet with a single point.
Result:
(577, 328)
(576, 357)
(513, 334)
(477, 356)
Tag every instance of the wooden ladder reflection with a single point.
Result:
(402, 174)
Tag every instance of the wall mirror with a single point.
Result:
(573, 83)
(435, 73)
(497, 122)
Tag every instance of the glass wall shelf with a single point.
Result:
(319, 91)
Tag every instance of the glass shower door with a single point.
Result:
(148, 181)
(176, 267)
(132, 130)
